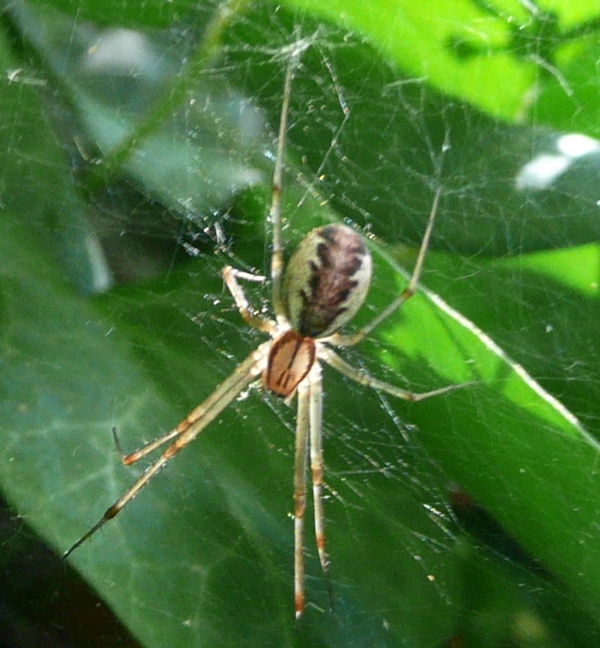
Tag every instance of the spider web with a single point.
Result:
(204, 556)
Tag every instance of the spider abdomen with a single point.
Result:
(326, 280)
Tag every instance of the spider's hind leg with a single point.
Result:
(354, 338)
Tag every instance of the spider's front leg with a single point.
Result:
(300, 464)
(187, 430)
(309, 442)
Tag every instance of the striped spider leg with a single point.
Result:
(325, 283)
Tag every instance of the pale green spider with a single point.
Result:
(326, 282)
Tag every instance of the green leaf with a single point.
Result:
(204, 555)
(492, 53)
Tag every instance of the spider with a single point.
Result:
(325, 283)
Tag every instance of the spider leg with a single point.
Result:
(316, 459)
(187, 431)
(364, 378)
(277, 263)
(317, 467)
(405, 295)
(300, 465)
(309, 435)
(131, 458)
(230, 276)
